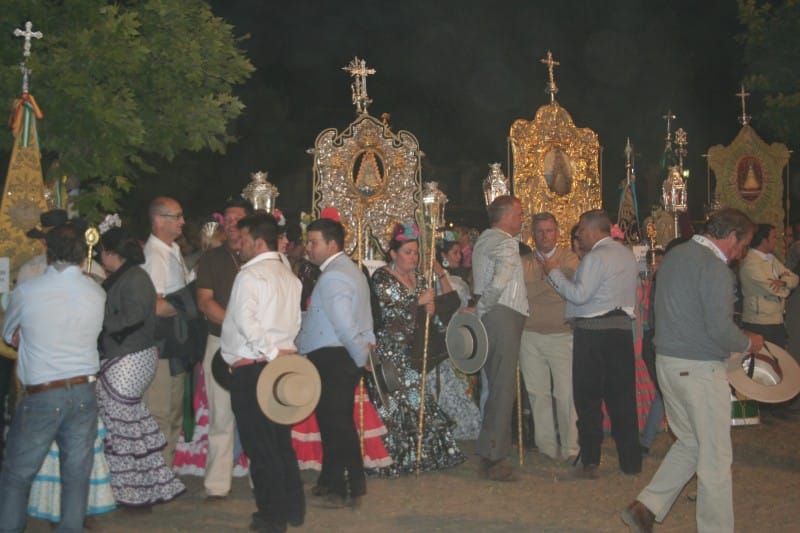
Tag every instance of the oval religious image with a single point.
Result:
(368, 170)
(558, 171)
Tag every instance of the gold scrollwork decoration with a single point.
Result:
(555, 168)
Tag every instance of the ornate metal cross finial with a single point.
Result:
(744, 119)
(551, 88)
(669, 117)
(629, 172)
(681, 139)
(358, 69)
(27, 34)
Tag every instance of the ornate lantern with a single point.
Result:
(495, 184)
(433, 200)
(673, 194)
(260, 192)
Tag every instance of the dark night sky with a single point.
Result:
(458, 73)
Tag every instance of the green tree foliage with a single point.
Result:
(124, 84)
(772, 55)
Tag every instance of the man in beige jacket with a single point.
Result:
(546, 347)
(766, 284)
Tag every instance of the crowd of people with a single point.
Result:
(108, 360)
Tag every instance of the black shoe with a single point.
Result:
(319, 490)
(588, 472)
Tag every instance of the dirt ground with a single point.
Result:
(545, 498)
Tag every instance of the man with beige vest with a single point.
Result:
(546, 348)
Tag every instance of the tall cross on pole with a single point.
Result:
(669, 117)
(358, 70)
(551, 88)
(27, 34)
(744, 119)
(629, 172)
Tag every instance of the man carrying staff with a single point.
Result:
(502, 306)
(337, 336)
(261, 322)
(695, 333)
(54, 321)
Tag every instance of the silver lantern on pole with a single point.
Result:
(495, 184)
(260, 192)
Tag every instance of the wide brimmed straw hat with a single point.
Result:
(770, 376)
(288, 389)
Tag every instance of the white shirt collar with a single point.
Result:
(263, 256)
(602, 240)
(705, 241)
(549, 254)
(328, 261)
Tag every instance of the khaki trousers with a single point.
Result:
(219, 462)
(542, 357)
(697, 400)
(164, 399)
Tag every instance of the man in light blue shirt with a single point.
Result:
(600, 302)
(337, 336)
(54, 321)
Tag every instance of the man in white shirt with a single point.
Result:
(164, 264)
(261, 321)
(503, 306)
(54, 321)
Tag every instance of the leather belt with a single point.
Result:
(60, 384)
(245, 361)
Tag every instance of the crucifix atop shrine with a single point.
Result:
(551, 88)
(669, 117)
(744, 118)
(681, 139)
(27, 34)
(358, 70)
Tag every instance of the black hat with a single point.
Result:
(47, 221)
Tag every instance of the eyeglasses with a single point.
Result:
(176, 216)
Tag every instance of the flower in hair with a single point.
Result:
(406, 231)
(330, 213)
(278, 214)
(219, 218)
(111, 221)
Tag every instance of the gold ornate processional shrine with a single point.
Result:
(370, 174)
(555, 165)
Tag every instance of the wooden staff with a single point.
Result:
(519, 419)
(359, 225)
(423, 377)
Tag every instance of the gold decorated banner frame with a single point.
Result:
(555, 168)
(749, 177)
(372, 176)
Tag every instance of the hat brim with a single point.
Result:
(35, 233)
(467, 342)
(300, 370)
(776, 375)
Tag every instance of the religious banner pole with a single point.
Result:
(433, 201)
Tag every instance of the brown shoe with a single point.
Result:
(495, 470)
(638, 517)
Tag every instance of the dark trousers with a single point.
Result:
(774, 333)
(273, 463)
(603, 368)
(341, 450)
(6, 379)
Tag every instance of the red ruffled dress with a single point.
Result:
(308, 444)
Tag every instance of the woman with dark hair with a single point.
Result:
(133, 444)
(402, 294)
